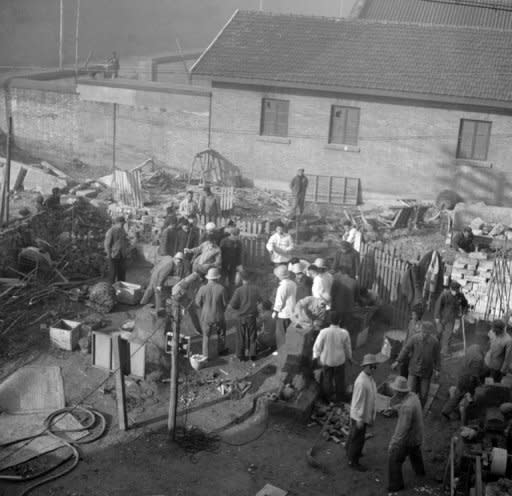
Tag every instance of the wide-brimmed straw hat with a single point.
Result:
(369, 359)
(210, 226)
(281, 272)
(213, 273)
(179, 256)
(320, 263)
(400, 385)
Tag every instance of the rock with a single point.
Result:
(497, 230)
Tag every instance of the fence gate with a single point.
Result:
(333, 189)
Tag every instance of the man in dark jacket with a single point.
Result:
(344, 293)
(231, 253)
(245, 300)
(463, 241)
(169, 238)
(116, 247)
(348, 258)
(298, 186)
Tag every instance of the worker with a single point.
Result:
(347, 257)
(470, 376)
(210, 229)
(463, 241)
(310, 313)
(209, 205)
(231, 252)
(176, 267)
(184, 293)
(116, 247)
(298, 186)
(212, 299)
(322, 281)
(284, 303)
(185, 236)
(303, 281)
(408, 436)
(195, 234)
(344, 296)
(245, 301)
(113, 63)
(413, 328)
(449, 307)
(280, 245)
(499, 356)
(363, 411)
(206, 256)
(422, 352)
(188, 206)
(53, 201)
(169, 237)
(331, 350)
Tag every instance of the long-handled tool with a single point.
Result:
(310, 456)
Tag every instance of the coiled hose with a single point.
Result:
(93, 419)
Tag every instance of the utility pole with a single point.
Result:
(114, 136)
(173, 400)
(76, 35)
(61, 55)
(341, 9)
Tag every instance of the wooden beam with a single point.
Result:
(120, 391)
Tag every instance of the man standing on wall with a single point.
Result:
(298, 186)
(116, 248)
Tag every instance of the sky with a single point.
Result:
(29, 29)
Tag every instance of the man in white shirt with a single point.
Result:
(284, 303)
(332, 349)
(362, 411)
(188, 206)
(322, 280)
(280, 245)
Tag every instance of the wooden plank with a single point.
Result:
(120, 391)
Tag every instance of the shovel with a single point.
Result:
(310, 456)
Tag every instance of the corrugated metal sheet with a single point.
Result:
(127, 188)
(487, 13)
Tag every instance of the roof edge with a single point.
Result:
(214, 40)
(403, 95)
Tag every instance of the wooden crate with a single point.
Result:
(65, 334)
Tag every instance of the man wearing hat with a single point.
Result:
(298, 186)
(185, 236)
(209, 205)
(245, 300)
(169, 237)
(498, 358)
(284, 303)
(280, 245)
(348, 258)
(212, 299)
(116, 247)
(422, 353)
(362, 411)
(322, 280)
(206, 255)
(188, 206)
(449, 307)
(303, 282)
(408, 436)
(231, 253)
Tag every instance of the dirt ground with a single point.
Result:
(142, 461)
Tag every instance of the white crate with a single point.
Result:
(65, 334)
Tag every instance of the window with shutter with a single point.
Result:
(344, 126)
(474, 137)
(274, 117)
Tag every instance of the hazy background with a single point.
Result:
(29, 29)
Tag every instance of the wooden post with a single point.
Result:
(120, 393)
(61, 53)
(76, 35)
(173, 400)
(114, 136)
(4, 207)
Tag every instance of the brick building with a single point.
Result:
(409, 108)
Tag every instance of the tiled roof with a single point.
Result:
(483, 13)
(337, 54)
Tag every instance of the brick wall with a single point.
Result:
(51, 122)
(407, 151)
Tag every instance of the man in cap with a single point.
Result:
(210, 230)
(423, 354)
(449, 307)
(245, 300)
(303, 282)
(499, 356)
(298, 186)
(280, 245)
(344, 295)
(209, 205)
(168, 267)
(362, 411)
(185, 236)
(212, 299)
(348, 258)
(188, 206)
(332, 349)
(408, 436)
(284, 303)
(206, 255)
(322, 280)
(231, 252)
(116, 247)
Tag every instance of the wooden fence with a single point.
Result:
(252, 227)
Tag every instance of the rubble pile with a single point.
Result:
(337, 419)
(496, 231)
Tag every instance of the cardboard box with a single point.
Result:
(65, 334)
(127, 292)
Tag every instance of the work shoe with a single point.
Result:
(357, 466)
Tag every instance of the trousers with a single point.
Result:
(355, 442)
(420, 386)
(332, 382)
(445, 336)
(218, 328)
(397, 456)
(116, 269)
(281, 326)
(246, 337)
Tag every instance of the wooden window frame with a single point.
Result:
(344, 140)
(275, 125)
(473, 140)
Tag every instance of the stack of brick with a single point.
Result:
(473, 272)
